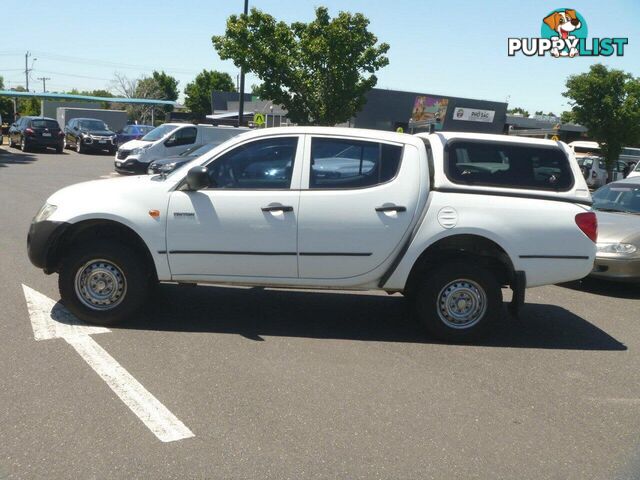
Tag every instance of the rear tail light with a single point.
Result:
(61, 133)
(28, 131)
(588, 223)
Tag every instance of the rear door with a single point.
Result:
(360, 199)
(45, 131)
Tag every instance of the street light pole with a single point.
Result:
(241, 103)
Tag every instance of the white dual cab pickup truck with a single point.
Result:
(448, 219)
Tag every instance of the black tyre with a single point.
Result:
(79, 146)
(458, 301)
(24, 146)
(103, 282)
(11, 144)
(59, 149)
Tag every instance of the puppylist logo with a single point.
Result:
(564, 34)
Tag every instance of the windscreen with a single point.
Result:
(158, 133)
(93, 125)
(618, 197)
(44, 123)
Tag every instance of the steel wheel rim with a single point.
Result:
(78, 146)
(461, 304)
(100, 285)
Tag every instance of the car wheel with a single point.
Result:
(103, 283)
(11, 144)
(458, 301)
(59, 149)
(64, 143)
(79, 146)
(23, 145)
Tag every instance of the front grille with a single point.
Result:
(122, 154)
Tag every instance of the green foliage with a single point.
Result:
(6, 105)
(607, 102)
(319, 71)
(198, 93)
(518, 110)
(567, 117)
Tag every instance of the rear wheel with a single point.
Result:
(103, 283)
(59, 149)
(23, 145)
(458, 301)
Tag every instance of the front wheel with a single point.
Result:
(458, 301)
(79, 146)
(103, 283)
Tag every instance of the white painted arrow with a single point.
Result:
(50, 320)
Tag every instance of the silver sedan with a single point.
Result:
(617, 206)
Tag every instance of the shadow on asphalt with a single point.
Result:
(256, 313)
(605, 288)
(7, 157)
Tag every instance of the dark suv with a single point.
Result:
(85, 134)
(33, 132)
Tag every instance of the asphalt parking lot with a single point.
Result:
(306, 384)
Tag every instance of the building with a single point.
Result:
(544, 126)
(412, 111)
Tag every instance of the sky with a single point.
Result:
(446, 47)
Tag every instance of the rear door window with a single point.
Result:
(506, 165)
(347, 164)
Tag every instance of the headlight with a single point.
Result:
(167, 167)
(45, 212)
(139, 150)
(617, 248)
(84, 135)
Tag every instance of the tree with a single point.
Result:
(6, 105)
(318, 71)
(607, 102)
(198, 93)
(518, 110)
(567, 117)
(158, 86)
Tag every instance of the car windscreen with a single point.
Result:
(508, 165)
(158, 133)
(586, 149)
(618, 197)
(92, 125)
(44, 123)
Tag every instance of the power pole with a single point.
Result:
(241, 105)
(26, 69)
(44, 83)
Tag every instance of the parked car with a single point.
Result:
(594, 170)
(169, 164)
(36, 132)
(168, 140)
(430, 216)
(89, 134)
(133, 132)
(635, 172)
(618, 209)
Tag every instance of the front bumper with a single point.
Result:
(130, 165)
(618, 269)
(42, 240)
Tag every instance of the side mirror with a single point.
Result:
(198, 178)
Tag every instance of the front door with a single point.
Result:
(361, 199)
(245, 224)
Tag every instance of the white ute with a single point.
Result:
(448, 219)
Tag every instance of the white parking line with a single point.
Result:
(50, 320)
(110, 175)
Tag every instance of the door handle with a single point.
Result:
(391, 208)
(277, 208)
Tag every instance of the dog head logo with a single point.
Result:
(567, 25)
(564, 34)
